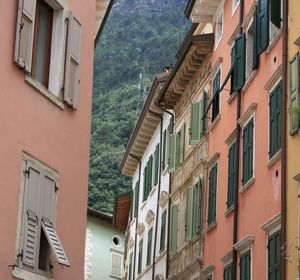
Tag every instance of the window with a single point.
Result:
(130, 268)
(227, 274)
(41, 37)
(116, 240)
(248, 151)
(163, 231)
(148, 178)
(275, 120)
(275, 14)
(231, 174)
(249, 50)
(174, 229)
(156, 164)
(116, 265)
(149, 246)
(274, 256)
(235, 4)
(140, 257)
(172, 153)
(38, 236)
(294, 94)
(245, 266)
(216, 95)
(209, 277)
(238, 58)
(212, 195)
(166, 144)
(180, 145)
(219, 28)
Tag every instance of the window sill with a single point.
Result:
(249, 81)
(211, 226)
(115, 277)
(143, 204)
(26, 275)
(274, 159)
(247, 185)
(216, 120)
(165, 171)
(45, 92)
(229, 210)
(232, 96)
(274, 40)
(152, 192)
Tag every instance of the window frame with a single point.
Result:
(212, 222)
(215, 118)
(219, 33)
(111, 265)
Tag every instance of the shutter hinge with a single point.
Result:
(21, 27)
(55, 188)
(27, 172)
(20, 255)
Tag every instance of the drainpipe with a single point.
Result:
(284, 137)
(169, 201)
(237, 164)
(158, 191)
(137, 216)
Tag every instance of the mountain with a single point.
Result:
(139, 39)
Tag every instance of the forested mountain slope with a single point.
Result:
(140, 37)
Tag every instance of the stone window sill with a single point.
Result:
(249, 183)
(216, 120)
(45, 92)
(232, 96)
(26, 275)
(274, 40)
(143, 204)
(249, 80)
(229, 210)
(211, 226)
(274, 159)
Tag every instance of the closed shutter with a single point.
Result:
(164, 150)
(132, 204)
(174, 230)
(245, 266)
(25, 34)
(276, 12)
(196, 209)
(182, 144)
(294, 94)
(130, 268)
(156, 169)
(172, 153)
(163, 231)
(274, 256)
(212, 195)
(231, 175)
(145, 183)
(239, 62)
(150, 174)
(227, 274)
(48, 198)
(189, 214)
(248, 152)
(263, 25)
(73, 53)
(136, 198)
(140, 258)
(116, 262)
(195, 123)
(149, 246)
(255, 40)
(216, 96)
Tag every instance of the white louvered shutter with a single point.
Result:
(71, 87)
(116, 265)
(25, 34)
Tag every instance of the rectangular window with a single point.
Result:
(231, 174)
(274, 256)
(156, 164)
(219, 29)
(174, 229)
(188, 213)
(216, 96)
(148, 178)
(249, 49)
(163, 231)
(275, 120)
(227, 274)
(164, 151)
(149, 246)
(130, 268)
(212, 195)
(245, 266)
(197, 208)
(275, 16)
(140, 256)
(248, 152)
(235, 4)
(116, 265)
(239, 62)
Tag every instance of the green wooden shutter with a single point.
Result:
(149, 246)
(174, 230)
(216, 94)
(212, 195)
(182, 144)
(248, 152)
(140, 258)
(274, 256)
(263, 25)
(195, 129)
(150, 174)
(136, 198)
(231, 175)
(201, 113)
(232, 84)
(245, 266)
(196, 209)
(275, 12)
(145, 182)
(227, 274)
(255, 40)
(239, 62)
(172, 153)
(164, 150)
(156, 167)
(294, 94)
(177, 149)
(189, 214)
(163, 231)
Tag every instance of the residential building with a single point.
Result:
(186, 92)
(46, 92)
(104, 247)
(146, 162)
(293, 162)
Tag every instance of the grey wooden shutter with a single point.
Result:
(194, 130)
(189, 214)
(30, 218)
(25, 34)
(71, 86)
(48, 198)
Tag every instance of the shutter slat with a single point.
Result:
(172, 153)
(174, 229)
(195, 123)
(189, 213)
(239, 69)
(263, 25)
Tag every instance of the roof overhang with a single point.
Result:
(144, 129)
(121, 211)
(194, 52)
(202, 11)
(100, 215)
(103, 8)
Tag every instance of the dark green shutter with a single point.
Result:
(194, 131)
(156, 166)
(196, 209)
(231, 174)
(227, 274)
(239, 67)
(274, 256)
(212, 195)
(216, 94)
(294, 94)
(248, 152)
(140, 257)
(145, 183)
(189, 214)
(232, 83)
(150, 174)
(255, 40)
(136, 198)
(245, 266)
(276, 12)
(174, 230)
(263, 25)
(149, 246)
(163, 231)
(177, 149)
(164, 150)
(172, 153)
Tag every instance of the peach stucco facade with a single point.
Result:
(57, 136)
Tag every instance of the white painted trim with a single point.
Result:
(234, 7)
(26, 275)
(272, 224)
(220, 14)
(244, 244)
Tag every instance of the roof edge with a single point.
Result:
(189, 8)
(100, 215)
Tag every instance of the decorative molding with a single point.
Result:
(140, 229)
(213, 160)
(227, 259)
(149, 217)
(233, 36)
(207, 270)
(231, 138)
(250, 15)
(216, 66)
(297, 41)
(244, 243)
(274, 78)
(249, 183)
(274, 159)
(163, 199)
(297, 177)
(159, 277)
(244, 118)
(274, 40)
(130, 243)
(271, 224)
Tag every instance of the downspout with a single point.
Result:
(158, 191)
(137, 216)
(284, 137)
(169, 200)
(237, 164)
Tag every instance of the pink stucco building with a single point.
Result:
(46, 67)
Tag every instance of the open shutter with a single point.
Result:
(255, 40)
(294, 93)
(174, 229)
(276, 12)
(263, 25)
(163, 231)
(182, 144)
(136, 198)
(189, 214)
(239, 62)
(31, 222)
(145, 184)
(196, 209)
(232, 74)
(25, 34)
(55, 243)
(272, 124)
(71, 86)
(164, 150)
(194, 123)
(172, 153)
(150, 175)
(156, 167)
